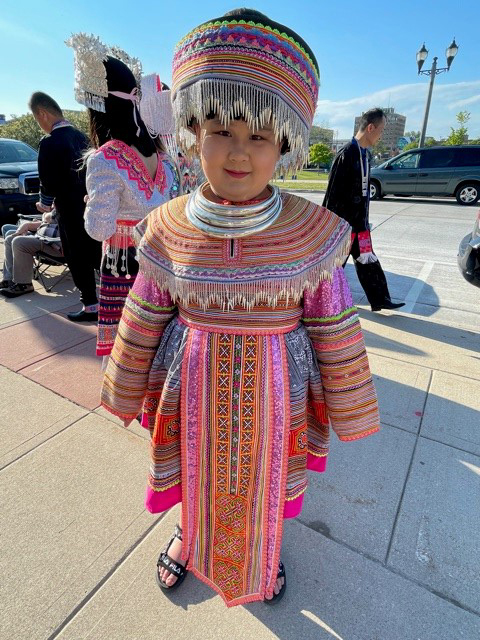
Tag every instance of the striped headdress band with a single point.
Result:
(249, 66)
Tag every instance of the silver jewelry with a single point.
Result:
(230, 221)
(90, 74)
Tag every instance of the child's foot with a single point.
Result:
(170, 569)
(279, 587)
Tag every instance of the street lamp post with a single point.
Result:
(422, 54)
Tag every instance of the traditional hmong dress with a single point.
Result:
(120, 193)
(242, 353)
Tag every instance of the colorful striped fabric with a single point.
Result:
(142, 324)
(240, 396)
(296, 253)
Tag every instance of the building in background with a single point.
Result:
(338, 143)
(321, 134)
(394, 129)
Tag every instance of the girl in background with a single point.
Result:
(128, 173)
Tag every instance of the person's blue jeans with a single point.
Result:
(8, 228)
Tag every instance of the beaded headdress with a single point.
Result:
(90, 74)
(156, 111)
(250, 66)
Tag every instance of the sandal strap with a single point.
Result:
(166, 561)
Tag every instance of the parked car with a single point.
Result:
(469, 255)
(19, 183)
(430, 171)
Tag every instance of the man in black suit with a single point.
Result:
(62, 184)
(348, 195)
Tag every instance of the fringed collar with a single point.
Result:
(128, 160)
(297, 252)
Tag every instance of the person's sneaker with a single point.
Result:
(16, 290)
(5, 284)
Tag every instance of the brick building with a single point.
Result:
(394, 129)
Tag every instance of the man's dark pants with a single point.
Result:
(82, 253)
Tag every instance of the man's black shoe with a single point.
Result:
(83, 316)
(388, 304)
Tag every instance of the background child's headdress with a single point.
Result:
(91, 87)
(156, 111)
(249, 66)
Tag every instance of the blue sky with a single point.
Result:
(366, 50)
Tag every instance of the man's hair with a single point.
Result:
(372, 116)
(40, 100)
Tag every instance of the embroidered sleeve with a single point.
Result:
(333, 325)
(104, 187)
(146, 313)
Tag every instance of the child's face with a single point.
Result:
(237, 162)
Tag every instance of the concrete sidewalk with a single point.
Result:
(386, 547)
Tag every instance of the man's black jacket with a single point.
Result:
(344, 191)
(62, 177)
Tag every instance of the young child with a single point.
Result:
(239, 339)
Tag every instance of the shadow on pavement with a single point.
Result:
(462, 338)
(399, 287)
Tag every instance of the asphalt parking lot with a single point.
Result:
(417, 240)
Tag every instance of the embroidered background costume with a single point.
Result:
(242, 352)
(121, 192)
(120, 189)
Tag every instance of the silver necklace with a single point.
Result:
(230, 221)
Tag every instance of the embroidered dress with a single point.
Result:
(242, 353)
(120, 193)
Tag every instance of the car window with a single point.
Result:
(408, 161)
(437, 158)
(16, 151)
(468, 157)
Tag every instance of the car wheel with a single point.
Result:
(375, 192)
(468, 193)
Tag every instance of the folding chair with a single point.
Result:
(42, 262)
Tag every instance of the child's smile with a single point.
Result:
(237, 161)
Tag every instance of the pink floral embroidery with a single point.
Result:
(126, 159)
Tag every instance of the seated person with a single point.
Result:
(21, 244)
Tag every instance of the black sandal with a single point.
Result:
(165, 561)
(278, 596)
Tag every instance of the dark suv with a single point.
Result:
(430, 171)
(19, 183)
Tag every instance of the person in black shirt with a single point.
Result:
(348, 195)
(62, 185)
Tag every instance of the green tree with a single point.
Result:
(414, 135)
(320, 134)
(460, 135)
(429, 142)
(379, 150)
(25, 128)
(320, 154)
